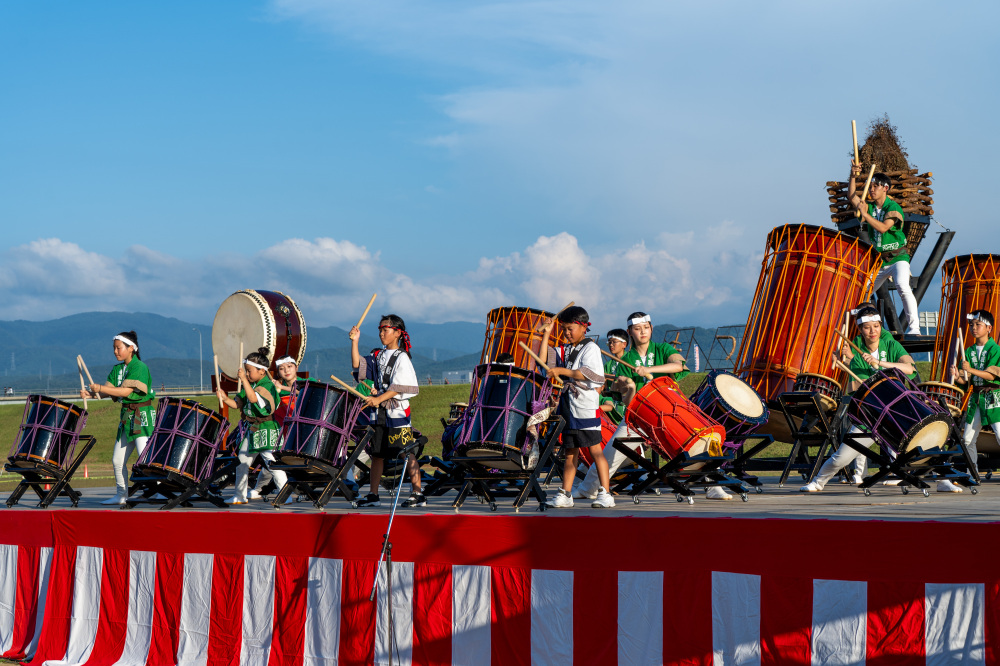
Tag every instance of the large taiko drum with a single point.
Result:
(495, 422)
(809, 278)
(732, 402)
(671, 423)
(505, 327)
(257, 318)
(320, 424)
(185, 440)
(898, 414)
(968, 282)
(49, 432)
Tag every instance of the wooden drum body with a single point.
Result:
(505, 327)
(949, 394)
(826, 389)
(809, 278)
(671, 423)
(185, 441)
(899, 415)
(257, 319)
(49, 432)
(968, 282)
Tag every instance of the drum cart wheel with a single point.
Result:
(744, 497)
(759, 489)
(906, 491)
(989, 475)
(926, 492)
(635, 499)
(974, 490)
(868, 492)
(493, 506)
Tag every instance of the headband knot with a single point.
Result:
(404, 337)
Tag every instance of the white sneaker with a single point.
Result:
(236, 499)
(946, 486)
(891, 482)
(811, 487)
(718, 493)
(254, 494)
(857, 479)
(117, 498)
(560, 500)
(580, 494)
(603, 500)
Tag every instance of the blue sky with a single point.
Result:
(455, 156)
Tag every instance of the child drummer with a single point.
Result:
(881, 351)
(579, 365)
(980, 365)
(618, 392)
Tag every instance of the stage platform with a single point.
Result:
(785, 578)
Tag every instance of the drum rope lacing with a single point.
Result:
(476, 408)
(354, 409)
(164, 437)
(20, 444)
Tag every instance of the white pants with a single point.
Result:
(122, 452)
(972, 434)
(900, 274)
(243, 470)
(615, 459)
(844, 456)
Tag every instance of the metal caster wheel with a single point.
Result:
(974, 490)
(354, 505)
(926, 492)
(759, 489)
(744, 497)
(989, 475)
(868, 492)
(635, 500)
(493, 506)
(906, 491)
(656, 491)
(456, 509)
(680, 498)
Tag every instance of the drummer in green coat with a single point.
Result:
(981, 366)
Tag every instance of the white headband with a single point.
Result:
(616, 337)
(128, 343)
(868, 318)
(639, 320)
(283, 360)
(256, 365)
(975, 317)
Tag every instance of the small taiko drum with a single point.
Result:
(320, 425)
(257, 318)
(827, 389)
(49, 432)
(732, 402)
(948, 394)
(898, 414)
(506, 327)
(455, 411)
(671, 423)
(185, 439)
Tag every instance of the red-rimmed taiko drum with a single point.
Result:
(809, 278)
(257, 318)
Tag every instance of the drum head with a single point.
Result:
(244, 316)
(931, 436)
(739, 395)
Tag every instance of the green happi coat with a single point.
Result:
(134, 420)
(891, 244)
(889, 350)
(986, 394)
(613, 398)
(657, 353)
(262, 428)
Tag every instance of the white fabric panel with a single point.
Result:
(8, 594)
(735, 619)
(840, 622)
(196, 606)
(86, 606)
(470, 614)
(402, 615)
(954, 622)
(44, 567)
(552, 616)
(322, 633)
(258, 609)
(640, 618)
(139, 630)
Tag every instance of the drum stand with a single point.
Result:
(43, 473)
(316, 479)
(911, 467)
(477, 480)
(683, 473)
(738, 468)
(179, 490)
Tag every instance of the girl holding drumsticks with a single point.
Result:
(130, 384)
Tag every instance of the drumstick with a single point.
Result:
(239, 366)
(853, 346)
(349, 388)
(82, 386)
(854, 131)
(538, 359)
(89, 378)
(365, 313)
(630, 367)
(538, 327)
(848, 371)
(218, 377)
(864, 194)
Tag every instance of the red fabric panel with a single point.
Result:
(226, 626)
(896, 628)
(687, 617)
(992, 621)
(785, 620)
(110, 639)
(54, 638)
(291, 580)
(432, 595)
(25, 601)
(357, 614)
(510, 629)
(167, 597)
(595, 594)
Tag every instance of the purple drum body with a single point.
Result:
(898, 414)
(319, 424)
(49, 432)
(733, 403)
(185, 440)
